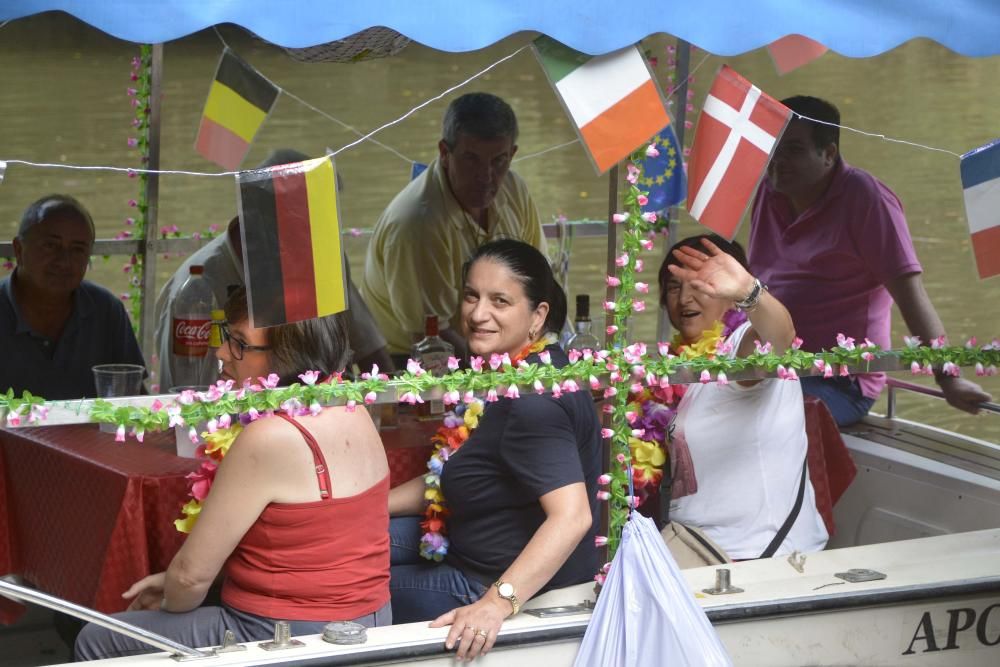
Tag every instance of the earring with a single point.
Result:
(531, 334)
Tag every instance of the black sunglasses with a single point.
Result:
(238, 347)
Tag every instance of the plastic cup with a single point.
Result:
(116, 380)
(182, 441)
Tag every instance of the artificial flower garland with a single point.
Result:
(652, 410)
(457, 428)
(626, 366)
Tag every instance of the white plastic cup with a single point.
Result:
(186, 448)
(115, 381)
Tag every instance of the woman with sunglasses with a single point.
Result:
(296, 520)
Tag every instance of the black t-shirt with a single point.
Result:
(522, 449)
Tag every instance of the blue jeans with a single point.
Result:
(842, 396)
(421, 589)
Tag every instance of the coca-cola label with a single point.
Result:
(191, 337)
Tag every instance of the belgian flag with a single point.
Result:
(292, 253)
(238, 102)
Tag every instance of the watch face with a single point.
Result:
(505, 589)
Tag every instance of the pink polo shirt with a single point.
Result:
(830, 265)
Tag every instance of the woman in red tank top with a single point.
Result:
(296, 520)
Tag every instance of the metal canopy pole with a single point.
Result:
(663, 328)
(148, 244)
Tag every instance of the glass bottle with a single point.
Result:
(432, 352)
(583, 336)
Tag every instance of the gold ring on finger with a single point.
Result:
(482, 633)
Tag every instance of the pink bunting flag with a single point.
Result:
(793, 51)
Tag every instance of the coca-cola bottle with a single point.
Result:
(432, 352)
(191, 314)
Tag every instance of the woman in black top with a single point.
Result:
(521, 491)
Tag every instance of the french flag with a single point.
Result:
(981, 183)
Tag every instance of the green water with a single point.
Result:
(64, 100)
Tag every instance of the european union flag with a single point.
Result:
(664, 175)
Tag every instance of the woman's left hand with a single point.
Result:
(713, 272)
(474, 627)
(147, 593)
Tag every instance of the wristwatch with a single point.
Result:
(753, 298)
(506, 591)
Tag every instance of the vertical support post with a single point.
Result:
(663, 327)
(610, 270)
(147, 244)
(612, 245)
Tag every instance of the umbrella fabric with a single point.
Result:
(646, 614)
(724, 27)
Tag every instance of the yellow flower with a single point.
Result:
(221, 440)
(472, 412)
(191, 511)
(433, 495)
(705, 346)
(646, 454)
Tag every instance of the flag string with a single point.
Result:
(316, 109)
(369, 136)
(883, 137)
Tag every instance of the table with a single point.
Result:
(83, 517)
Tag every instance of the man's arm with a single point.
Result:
(922, 320)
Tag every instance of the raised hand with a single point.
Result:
(712, 272)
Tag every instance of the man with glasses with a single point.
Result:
(54, 325)
(466, 197)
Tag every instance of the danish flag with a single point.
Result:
(737, 131)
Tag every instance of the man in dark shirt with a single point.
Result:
(54, 325)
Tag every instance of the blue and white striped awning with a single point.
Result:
(856, 28)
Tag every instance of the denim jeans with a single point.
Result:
(842, 396)
(421, 589)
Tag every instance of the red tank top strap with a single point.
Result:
(322, 473)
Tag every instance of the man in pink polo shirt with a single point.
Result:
(831, 243)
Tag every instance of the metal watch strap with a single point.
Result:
(752, 299)
(512, 598)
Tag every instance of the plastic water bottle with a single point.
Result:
(191, 322)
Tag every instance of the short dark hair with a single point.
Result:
(729, 247)
(50, 206)
(813, 107)
(320, 344)
(532, 270)
(481, 115)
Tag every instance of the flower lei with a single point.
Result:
(222, 431)
(652, 409)
(458, 426)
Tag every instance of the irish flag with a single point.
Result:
(239, 100)
(290, 229)
(980, 170)
(612, 99)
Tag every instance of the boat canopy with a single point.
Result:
(855, 28)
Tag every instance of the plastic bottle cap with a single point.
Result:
(196, 269)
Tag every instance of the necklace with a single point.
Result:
(458, 426)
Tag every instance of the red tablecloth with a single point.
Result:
(84, 517)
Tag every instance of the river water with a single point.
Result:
(64, 100)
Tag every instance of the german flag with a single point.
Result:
(238, 102)
(291, 242)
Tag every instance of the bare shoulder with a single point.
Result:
(269, 438)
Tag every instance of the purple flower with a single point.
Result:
(731, 320)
